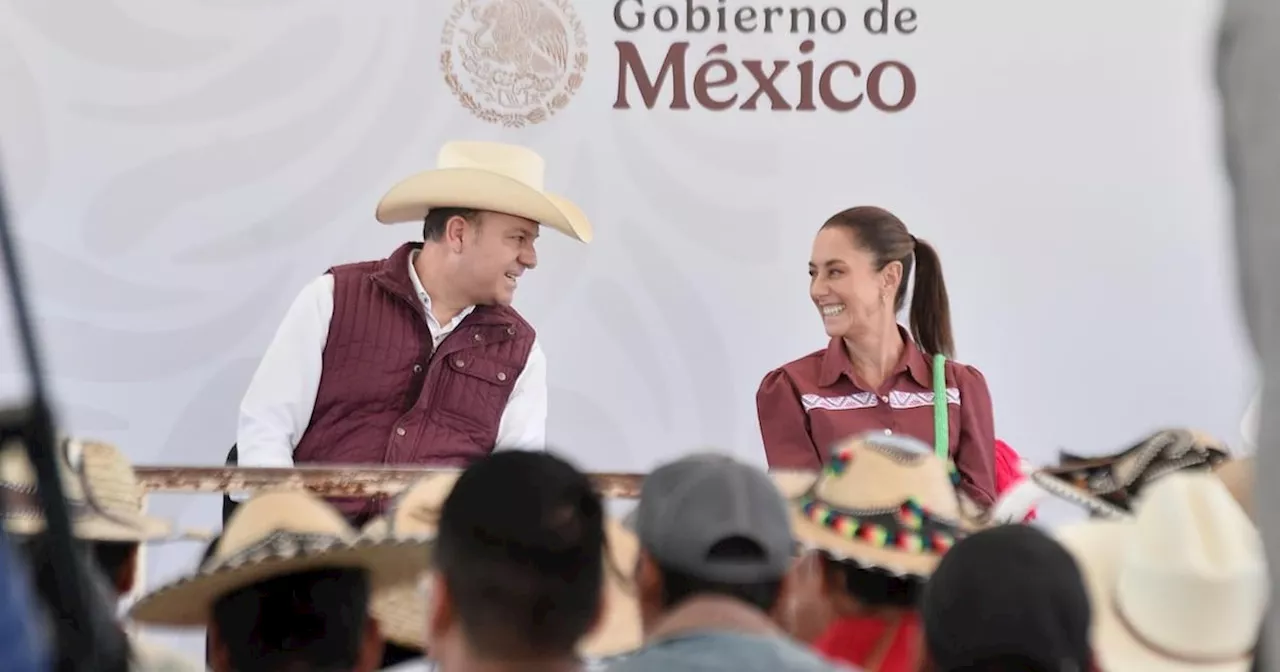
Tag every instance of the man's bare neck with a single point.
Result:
(427, 266)
(467, 663)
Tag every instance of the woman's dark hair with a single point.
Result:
(884, 235)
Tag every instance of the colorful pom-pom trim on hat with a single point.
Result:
(910, 528)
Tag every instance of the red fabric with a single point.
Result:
(1009, 471)
(386, 398)
(855, 640)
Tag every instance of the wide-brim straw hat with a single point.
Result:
(884, 502)
(484, 176)
(402, 611)
(274, 534)
(101, 491)
(1180, 587)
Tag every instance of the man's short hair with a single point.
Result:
(1009, 595)
(715, 525)
(313, 621)
(520, 549)
(433, 225)
(112, 556)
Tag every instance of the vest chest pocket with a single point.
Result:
(475, 390)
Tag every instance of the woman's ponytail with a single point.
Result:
(930, 307)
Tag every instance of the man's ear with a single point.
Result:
(647, 577)
(219, 660)
(601, 609)
(923, 662)
(458, 231)
(127, 577)
(371, 647)
(440, 617)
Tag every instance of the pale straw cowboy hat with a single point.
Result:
(274, 534)
(883, 501)
(484, 176)
(1109, 485)
(402, 612)
(100, 488)
(1180, 587)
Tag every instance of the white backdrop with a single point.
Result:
(180, 168)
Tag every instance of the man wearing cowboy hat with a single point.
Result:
(105, 503)
(418, 358)
(1181, 586)
(287, 586)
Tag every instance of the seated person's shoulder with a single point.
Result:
(739, 653)
(150, 657)
(965, 374)
(804, 368)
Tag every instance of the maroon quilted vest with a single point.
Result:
(386, 397)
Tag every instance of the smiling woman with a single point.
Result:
(874, 374)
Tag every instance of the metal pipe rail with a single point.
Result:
(327, 481)
(331, 481)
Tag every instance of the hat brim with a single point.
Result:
(1062, 489)
(402, 613)
(412, 198)
(402, 610)
(140, 528)
(1098, 548)
(188, 602)
(898, 563)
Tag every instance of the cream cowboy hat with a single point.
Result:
(486, 176)
(883, 501)
(1109, 485)
(274, 534)
(102, 494)
(402, 612)
(1180, 587)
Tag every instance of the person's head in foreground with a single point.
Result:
(106, 516)
(878, 519)
(715, 551)
(105, 502)
(286, 588)
(1182, 586)
(1007, 599)
(518, 565)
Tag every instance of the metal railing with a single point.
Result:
(333, 481)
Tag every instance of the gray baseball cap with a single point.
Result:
(691, 505)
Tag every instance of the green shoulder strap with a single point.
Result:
(941, 428)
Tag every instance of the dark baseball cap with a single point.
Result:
(1007, 593)
(690, 507)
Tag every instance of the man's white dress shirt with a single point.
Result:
(277, 407)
